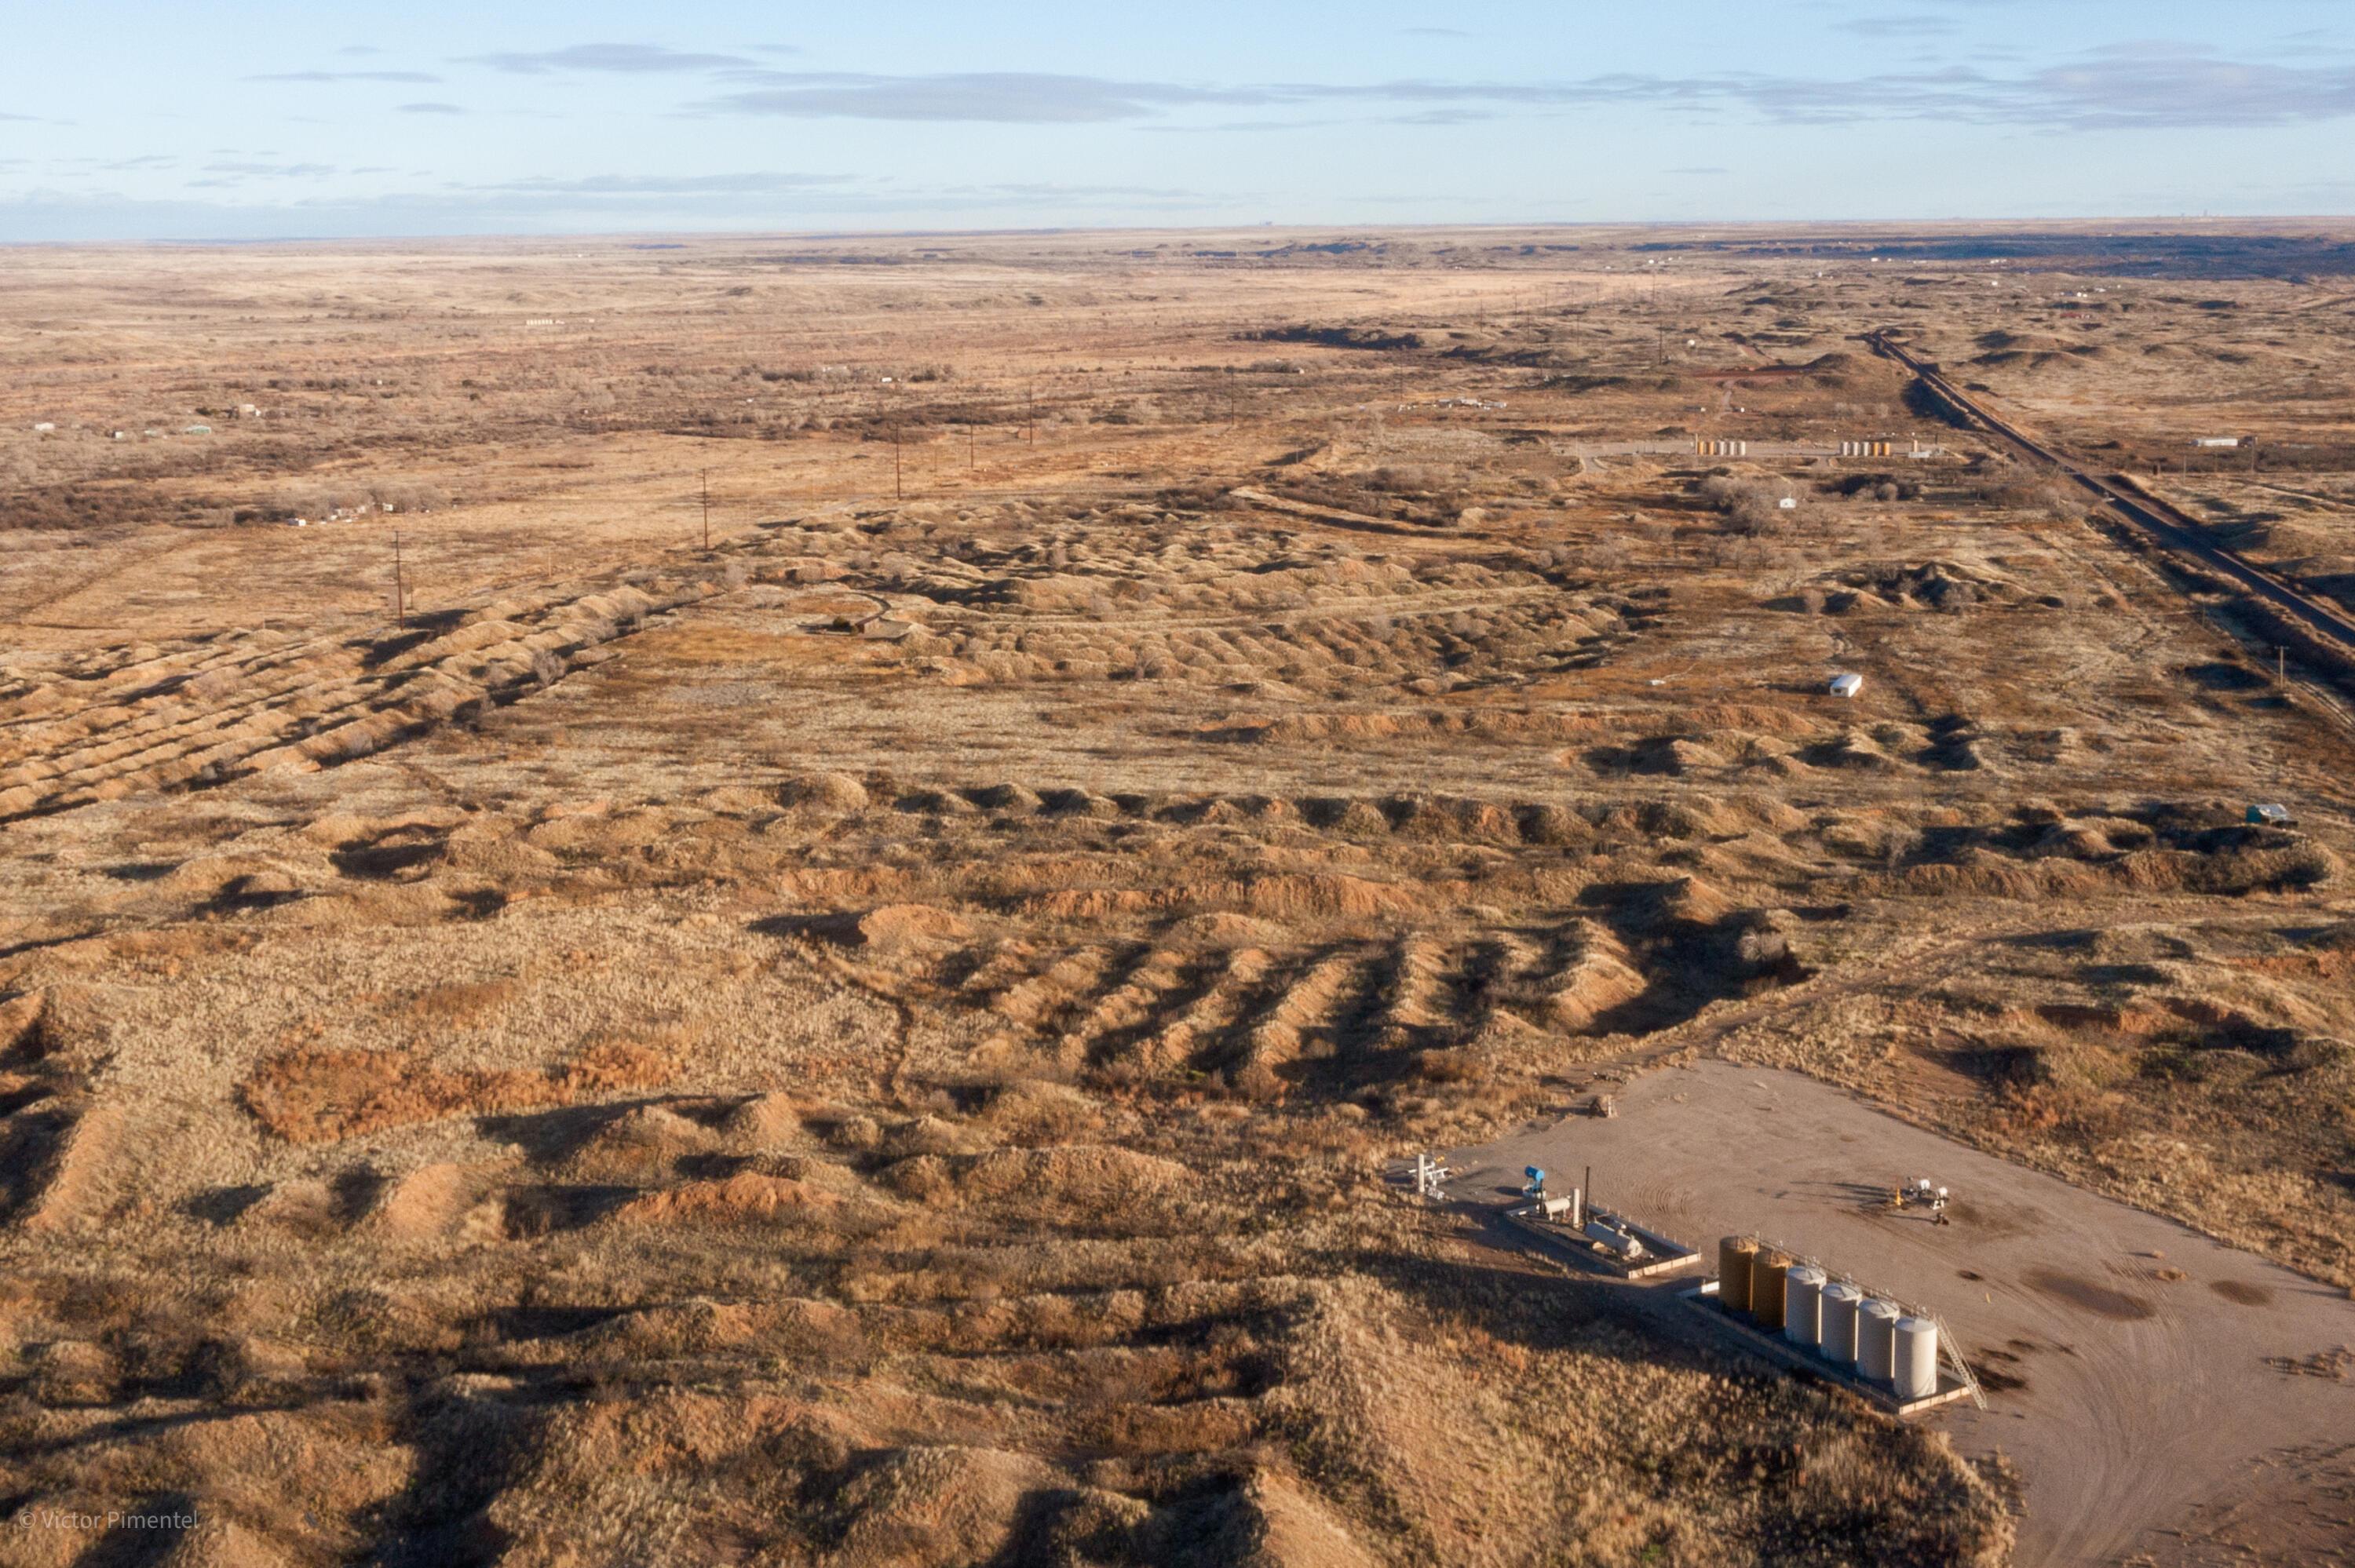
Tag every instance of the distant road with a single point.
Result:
(2173, 528)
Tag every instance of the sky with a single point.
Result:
(211, 119)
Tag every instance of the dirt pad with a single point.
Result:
(2140, 1376)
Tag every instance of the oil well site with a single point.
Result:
(933, 899)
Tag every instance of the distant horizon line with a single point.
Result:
(2141, 223)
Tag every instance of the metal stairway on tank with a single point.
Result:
(1953, 1353)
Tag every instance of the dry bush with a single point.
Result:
(1752, 509)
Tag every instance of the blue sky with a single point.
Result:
(249, 120)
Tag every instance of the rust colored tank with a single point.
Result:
(1767, 1269)
(1733, 1256)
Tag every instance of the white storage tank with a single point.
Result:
(1803, 1305)
(1612, 1237)
(1876, 1339)
(1841, 1304)
(1917, 1358)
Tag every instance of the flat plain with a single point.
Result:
(802, 920)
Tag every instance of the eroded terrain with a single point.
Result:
(879, 1038)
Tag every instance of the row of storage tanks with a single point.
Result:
(1860, 1333)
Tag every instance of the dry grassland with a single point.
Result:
(625, 1067)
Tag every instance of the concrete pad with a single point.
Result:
(2130, 1401)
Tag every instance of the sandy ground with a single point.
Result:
(2140, 1375)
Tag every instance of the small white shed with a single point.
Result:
(1846, 685)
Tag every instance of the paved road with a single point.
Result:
(2170, 526)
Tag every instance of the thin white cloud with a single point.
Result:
(1247, 126)
(2138, 86)
(1911, 25)
(627, 58)
(667, 184)
(274, 171)
(1440, 116)
(1014, 98)
(408, 76)
(610, 202)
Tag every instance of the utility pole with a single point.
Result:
(897, 493)
(400, 589)
(707, 509)
(970, 460)
(1031, 415)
